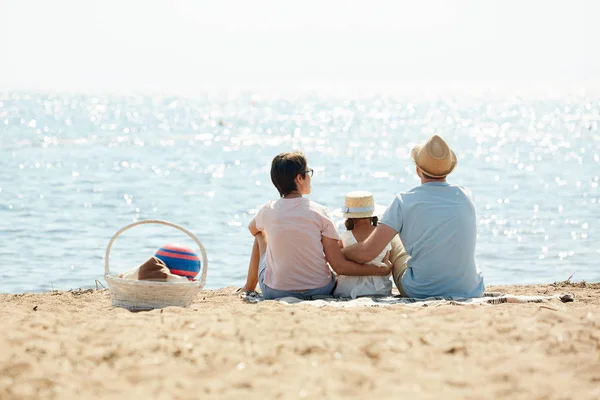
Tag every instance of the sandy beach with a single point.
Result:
(75, 344)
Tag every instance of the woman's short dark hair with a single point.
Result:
(284, 169)
(349, 223)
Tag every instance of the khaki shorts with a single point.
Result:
(398, 272)
(399, 259)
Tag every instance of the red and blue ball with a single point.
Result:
(180, 260)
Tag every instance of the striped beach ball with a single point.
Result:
(180, 260)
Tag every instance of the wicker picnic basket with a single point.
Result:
(147, 295)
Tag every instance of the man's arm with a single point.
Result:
(372, 246)
(343, 266)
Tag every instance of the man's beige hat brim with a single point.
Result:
(434, 158)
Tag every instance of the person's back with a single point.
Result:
(357, 286)
(295, 252)
(437, 225)
(295, 242)
(361, 215)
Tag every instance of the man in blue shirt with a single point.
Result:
(436, 223)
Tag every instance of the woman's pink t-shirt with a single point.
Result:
(294, 257)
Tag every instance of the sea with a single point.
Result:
(77, 168)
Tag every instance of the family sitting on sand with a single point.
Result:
(296, 245)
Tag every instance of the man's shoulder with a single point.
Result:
(412, 192)
(409, 195)
(450, 187)
(461, 187)
(466, 191)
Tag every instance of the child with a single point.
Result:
(361, 213)
(295, 241)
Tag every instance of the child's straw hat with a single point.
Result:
(360, 204)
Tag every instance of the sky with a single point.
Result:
(186, 45)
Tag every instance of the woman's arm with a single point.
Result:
(252, 227)
(343, 266)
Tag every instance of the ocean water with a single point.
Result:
(77, 168)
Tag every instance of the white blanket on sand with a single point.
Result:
(488, 298)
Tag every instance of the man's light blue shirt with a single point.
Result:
(437, 225)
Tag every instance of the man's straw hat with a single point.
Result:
(434, 158)
(360, 204)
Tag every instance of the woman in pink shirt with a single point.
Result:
(295, 241)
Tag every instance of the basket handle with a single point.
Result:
(156, 221)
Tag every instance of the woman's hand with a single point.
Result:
(343, 266)
(387, 269)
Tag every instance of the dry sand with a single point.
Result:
(74, 344)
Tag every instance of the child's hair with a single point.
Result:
(349, 223)
(284, 169)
